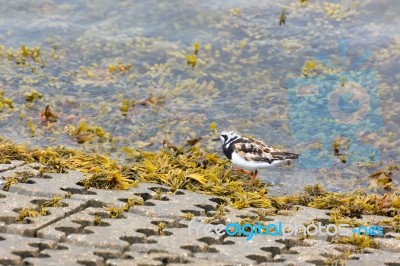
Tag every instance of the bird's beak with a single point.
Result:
(216, 139)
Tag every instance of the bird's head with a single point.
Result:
(226, 136)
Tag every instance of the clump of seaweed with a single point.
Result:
(102, 171)
(234, 11)
(84, 132)
(31, 212)
(5, 102)
(56, 202)
(153, 101)
(396, 223)
(18, 177)
(213, 127)
(383, 178)
(332, 9)
(191, 59)
(161, 227)
(345, 206)
(304, 198)
(338, 218)
(10, 152)
(9, 181)
(351, 205)
(48, 116)
(27, 212)
(361, 241)
(24, 176)
(116, 212)
(309, 68)
(25, 55)
(303, 3)
(108, 179)
(158, 194)
(31, 127)
(126, 104)
(196, 46)
(312, 68)
(192, 168)
(188, 216)
(32, 96)
(339, 259)
(119, 68)
(97, 220)
(282, 17)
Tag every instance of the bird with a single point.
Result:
(251, 154)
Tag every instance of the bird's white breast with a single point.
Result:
(249, 165)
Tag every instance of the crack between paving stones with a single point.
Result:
(67, 214)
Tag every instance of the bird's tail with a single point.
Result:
(285, 155)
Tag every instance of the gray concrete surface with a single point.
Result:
(81, 232)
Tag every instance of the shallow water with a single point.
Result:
(248, 78)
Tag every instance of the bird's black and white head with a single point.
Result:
(227, 136)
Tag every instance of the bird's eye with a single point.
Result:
(225, 137)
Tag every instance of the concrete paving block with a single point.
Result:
(170, 205)
(257, 250)
(233, 215)
(118, 234)
(295, 259)
(101, 197)
(21, 171)
(81, 231)
(14, 248)
(12, 203)
(374, 257)
(51, 184)
(304, 215)
(316, 247)
(66, 254)
(392, 235)
(389, 244)
(13, 164)
(74, 223)
(176, 241)
(157, 258)
(288, 263)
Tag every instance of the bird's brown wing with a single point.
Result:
(255, 150)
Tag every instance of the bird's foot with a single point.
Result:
(253, 177)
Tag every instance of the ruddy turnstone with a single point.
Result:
(251, 154)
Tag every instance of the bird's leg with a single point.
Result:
(243, 171)
(253, 177)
